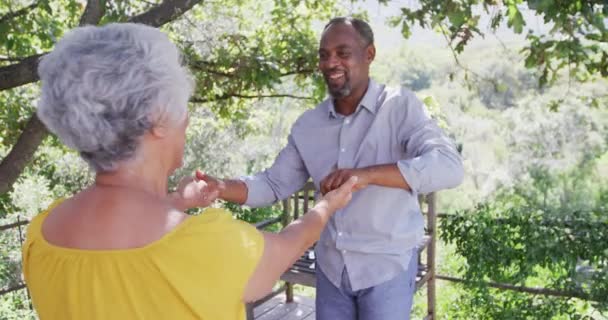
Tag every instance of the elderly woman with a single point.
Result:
(121, 248)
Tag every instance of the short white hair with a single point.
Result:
(104, 87)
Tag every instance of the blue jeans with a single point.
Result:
(390, 300)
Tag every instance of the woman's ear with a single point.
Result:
(159, 131)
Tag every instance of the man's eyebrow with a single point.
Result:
(342, 46)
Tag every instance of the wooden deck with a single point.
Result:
(277, 309)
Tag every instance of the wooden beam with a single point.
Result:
(11, 289)
(540, 291)
(13, 225)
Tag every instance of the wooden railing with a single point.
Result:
(303, 271)
(19, 225)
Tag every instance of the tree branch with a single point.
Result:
(10, 59)
(299, 71)
(20, 12)
(35, 132)
(21, 153)
(466, 69)
(541, 291)
(167, 11)
(25, 72)
(21, 73)
(209, 67)
(244, 96)
(93, 12)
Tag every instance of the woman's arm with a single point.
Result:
(282, 249)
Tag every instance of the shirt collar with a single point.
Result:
(368, 102)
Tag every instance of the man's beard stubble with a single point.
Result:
(341, 92)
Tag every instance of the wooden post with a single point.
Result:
(306, 200)
(431, 201)
(286, 220)
(249, 311)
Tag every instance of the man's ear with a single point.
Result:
(371, 53)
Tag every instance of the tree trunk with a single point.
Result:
(21, 154)
(25, 72)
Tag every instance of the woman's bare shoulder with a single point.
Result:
(110, 220)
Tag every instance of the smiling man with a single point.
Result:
(366, 258)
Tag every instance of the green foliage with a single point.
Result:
(17, 107)
(15, 306)
(10, 259)
(539, 231)
(37, 27)
(489, 304)
(255, 215)
(54, 173)
(577, 42)
(241, 49)
(248, 58)
(31, 194)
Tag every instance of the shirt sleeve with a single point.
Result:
(431, 160)
(287, 175)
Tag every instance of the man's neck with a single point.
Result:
(348, 105)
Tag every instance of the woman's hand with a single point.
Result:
(340, 176)
(192, 192)
(338, 198)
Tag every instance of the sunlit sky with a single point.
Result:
(389, 37)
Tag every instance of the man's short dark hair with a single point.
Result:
(364, 30)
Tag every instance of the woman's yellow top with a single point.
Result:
(196, 271)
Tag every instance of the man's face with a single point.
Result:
(344, 59)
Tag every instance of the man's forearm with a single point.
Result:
(386, 175)
(233, 191)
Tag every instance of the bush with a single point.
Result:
(540, 232)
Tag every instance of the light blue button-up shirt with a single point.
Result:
(373, 236)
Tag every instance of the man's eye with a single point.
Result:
(343, 54)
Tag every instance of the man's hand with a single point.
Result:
(339, 197)
(335, 179)
(385, 175)
(213, 184)
(195, 192)
(227, 189)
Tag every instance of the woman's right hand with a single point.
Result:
(339, 198)
(193, 192)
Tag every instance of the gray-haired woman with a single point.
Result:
(122, 248)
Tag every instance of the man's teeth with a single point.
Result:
(336, 75)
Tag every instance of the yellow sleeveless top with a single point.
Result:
(196, 271)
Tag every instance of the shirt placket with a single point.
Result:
(345, 160)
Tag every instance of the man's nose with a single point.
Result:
(334, 61)
(331, 62)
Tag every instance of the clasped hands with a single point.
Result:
(201, 189)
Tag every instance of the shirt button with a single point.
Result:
(347, 121)
(344, 251)
(342, 150)
(339, 234)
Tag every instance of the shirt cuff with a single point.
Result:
(411, 170)
(258, 192)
